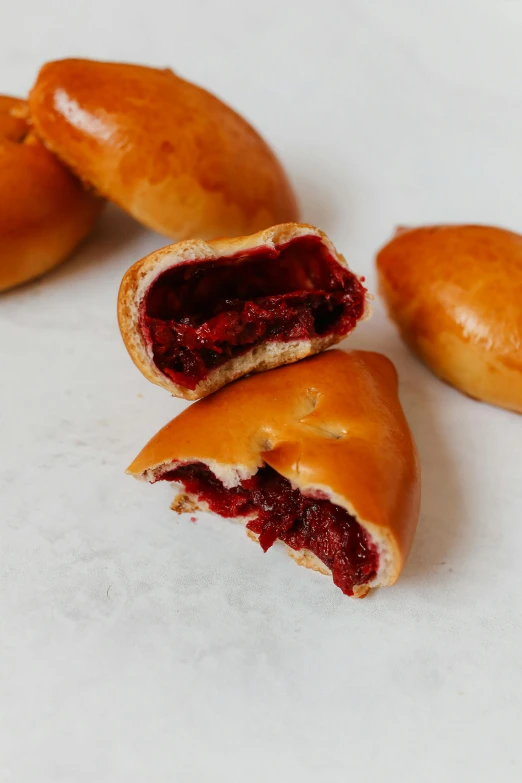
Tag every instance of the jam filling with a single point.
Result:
(197, 316)
(281, 512)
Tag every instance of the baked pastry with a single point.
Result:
(170, 153)
(44, 210)
(196, 315)
(456, 294)
(14, 124)
(317, 454)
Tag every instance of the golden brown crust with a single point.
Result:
(44, 210)
(455, 293)
(142, 274)
(14, 125)
(170, 153)
(331, 423)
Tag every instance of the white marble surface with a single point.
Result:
(135, 646)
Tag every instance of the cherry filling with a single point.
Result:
(197, 316)
(302, 522)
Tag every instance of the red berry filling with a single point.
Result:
(281, 512)
(199, 315)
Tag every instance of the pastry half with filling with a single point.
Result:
(316, 454)
(196, 315)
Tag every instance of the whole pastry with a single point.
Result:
(317, 454)
(170, 153)
(197, 315)
(455, 293)
(45, 211)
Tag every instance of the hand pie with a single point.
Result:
(197, 315)
(45, 212)
(317, 454)
(168, 152)
(455, 293)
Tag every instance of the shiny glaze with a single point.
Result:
(44, 210)
(456, 294)
(167, 151)
(14, 124)
(332, 423)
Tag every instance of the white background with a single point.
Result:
(135, 646)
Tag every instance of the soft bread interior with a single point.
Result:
(197, 315)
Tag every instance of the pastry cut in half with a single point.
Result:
(170, 153)
(316, 454)
(455, 293)
(196, 315)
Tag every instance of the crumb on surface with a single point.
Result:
(183, 504)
